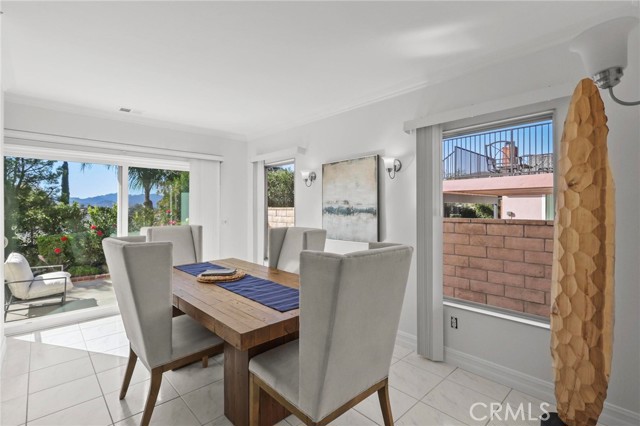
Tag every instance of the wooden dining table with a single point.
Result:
(248, 328)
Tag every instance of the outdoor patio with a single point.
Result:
(85, 294)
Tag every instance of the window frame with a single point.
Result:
(430, 327)
(499, 120)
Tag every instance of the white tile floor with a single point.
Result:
(71, 376)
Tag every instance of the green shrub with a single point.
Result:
(87, 248)
(83, 270)
(49, 245)
(140, 216)
(104, 219)
(469, 211)
(280, 187)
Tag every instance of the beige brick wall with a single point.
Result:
(281, 217)
(504, 263)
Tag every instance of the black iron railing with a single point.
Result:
(503, 152)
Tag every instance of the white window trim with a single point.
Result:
(277, 156)
(44, 151)
(115, 148)
(123, 201)
(429, 243)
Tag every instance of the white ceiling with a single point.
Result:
(248, 68)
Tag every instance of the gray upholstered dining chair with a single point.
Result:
(349, 312)
(186, 239)
(285, 245)
(141, 273)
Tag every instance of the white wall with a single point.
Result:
(523, 207)
(233, 216)
(2, 338)
(377, 128)
(624, 159)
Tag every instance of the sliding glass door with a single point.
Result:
(56, 215)
(58, 212)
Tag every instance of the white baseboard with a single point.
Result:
(406, 340)
(530, 385)
(612, 415)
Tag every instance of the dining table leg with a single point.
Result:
(236, 386)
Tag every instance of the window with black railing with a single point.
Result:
(498, 203)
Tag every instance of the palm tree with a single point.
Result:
(142, 178)
(146, 179)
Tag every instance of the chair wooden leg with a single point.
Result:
(385, 405)
(205, 361)
(133, 358)
(154, 390)
(254, 402)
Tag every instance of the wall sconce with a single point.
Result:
(603, 50)
(308, 177)
(392, 165)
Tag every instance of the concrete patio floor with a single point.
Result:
(83, 295)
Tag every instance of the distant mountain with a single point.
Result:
(108, 200)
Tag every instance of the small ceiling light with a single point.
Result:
(125, 109)
(392, 165)
(603, 49)
(308, 177)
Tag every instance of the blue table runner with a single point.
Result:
(196, 269)
(273, 295)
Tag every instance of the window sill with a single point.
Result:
(497, 313)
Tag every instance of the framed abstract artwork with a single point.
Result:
(350, 199)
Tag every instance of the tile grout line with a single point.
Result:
(74, 405)
(418, 400)
(465, 386)
(431, 390)
(187, 405)
(26, 405)
(456, 418)
(480, 392)
(95, 373)
(410, 408)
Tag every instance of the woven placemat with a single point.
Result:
(211, 279)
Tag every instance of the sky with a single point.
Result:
(94, 180)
